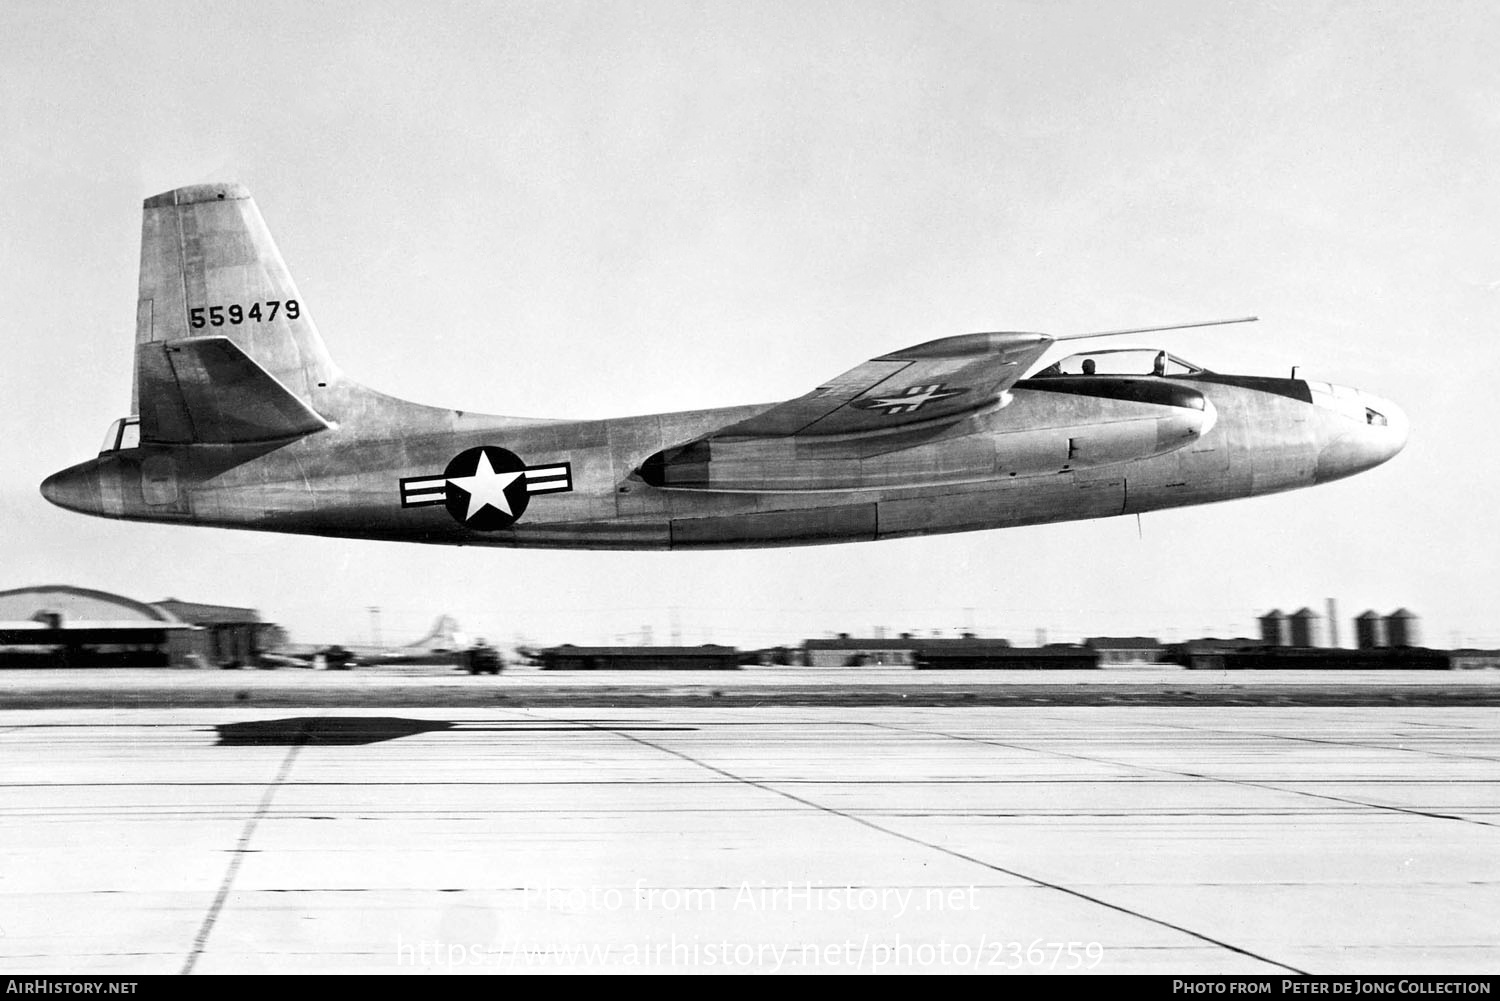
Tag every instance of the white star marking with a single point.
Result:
(913, 398)
(486, 487)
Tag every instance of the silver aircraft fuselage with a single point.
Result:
(1270, 435)
(240, 419)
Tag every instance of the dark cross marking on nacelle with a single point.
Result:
(909, 400)
(486, 488)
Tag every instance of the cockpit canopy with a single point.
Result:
(123, 434)
(1121, 361)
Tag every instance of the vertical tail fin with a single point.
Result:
(444, 635)
(210, 270)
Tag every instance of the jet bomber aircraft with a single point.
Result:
(239, 419)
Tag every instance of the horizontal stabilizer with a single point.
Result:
(206, 390)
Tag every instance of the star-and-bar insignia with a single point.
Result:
(909, 400)
(486, 488)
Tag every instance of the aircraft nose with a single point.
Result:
(1379, 431)
(1394, 429)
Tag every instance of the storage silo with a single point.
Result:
(1369, 630)
(1273, 628)
(1305, 628)
(1402, 629)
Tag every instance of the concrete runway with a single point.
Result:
(701, 839)
(525, 686)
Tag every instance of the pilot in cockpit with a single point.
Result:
(1088, 366)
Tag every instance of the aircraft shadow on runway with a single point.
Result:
(353, 730)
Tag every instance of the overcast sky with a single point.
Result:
(589, 209)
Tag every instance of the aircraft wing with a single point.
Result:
(943, 378)
(918, 395)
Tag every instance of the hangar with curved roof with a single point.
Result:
(59, 625)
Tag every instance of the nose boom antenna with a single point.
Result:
(1147, 330)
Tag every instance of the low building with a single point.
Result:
(236, 637)
(851, 651)
(979, 654)
(1209, 654)
(1474, 660)
(639, 658)
(1126, 651)
(937, 654)
(1222, 655)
